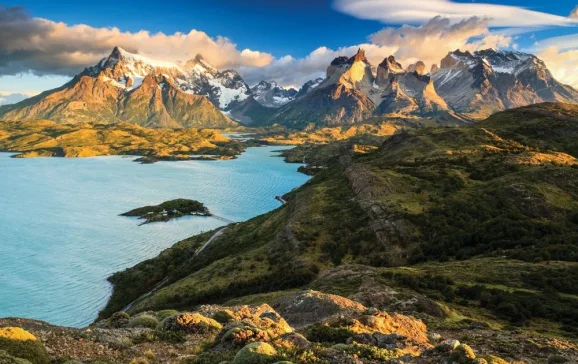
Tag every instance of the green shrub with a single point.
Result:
(173, 337)
(161, 315)
(369, 352)
(324, 333)
(22, 344)
(6, 358)
(224, 316)
(144, 320)
(256, 353)
(119, 319)
(211, 357)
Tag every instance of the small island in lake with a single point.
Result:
(169, 210)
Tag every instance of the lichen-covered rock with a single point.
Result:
(463, 354)
(240, 333)
(21, 344)
(256, 353)
(310, 306)
(192, 323)
(292, 341)
(375, 328)
(144, 320)
(251, 324)
(448, 346)
(119, 319)
(224, 316)
(491, 359)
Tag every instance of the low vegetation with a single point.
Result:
(169, 210)
(43, 138)
(439, 200)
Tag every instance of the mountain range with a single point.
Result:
(131, 88)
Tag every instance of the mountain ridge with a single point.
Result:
(464, 87)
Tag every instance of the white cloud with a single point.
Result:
(420, 11)
(563, 42)
(562, 64)
(433, 40)
(294, 72)
(12, 98)
(47, 47)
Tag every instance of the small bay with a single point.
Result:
(61, 236)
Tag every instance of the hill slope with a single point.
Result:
(434, 200)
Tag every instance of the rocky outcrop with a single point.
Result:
(306, 308)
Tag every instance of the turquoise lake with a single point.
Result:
(61, 236)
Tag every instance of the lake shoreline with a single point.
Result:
(59, 184)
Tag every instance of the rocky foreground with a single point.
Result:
(306, 327)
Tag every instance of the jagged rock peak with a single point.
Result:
(391, 65)
(418, 67)
(309, 86)
(339, 61)
(359, 57)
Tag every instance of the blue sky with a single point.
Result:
(309, 32)
(279, 27)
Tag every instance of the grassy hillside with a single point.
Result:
(42, 138)
(482, 220)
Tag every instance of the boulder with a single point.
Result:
(308, 307)
(463, 354)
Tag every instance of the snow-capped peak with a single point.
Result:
(127, 70)
(506, 61)
(139, 63)
(391, 65)
(270, 94)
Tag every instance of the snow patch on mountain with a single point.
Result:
(270, 94)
